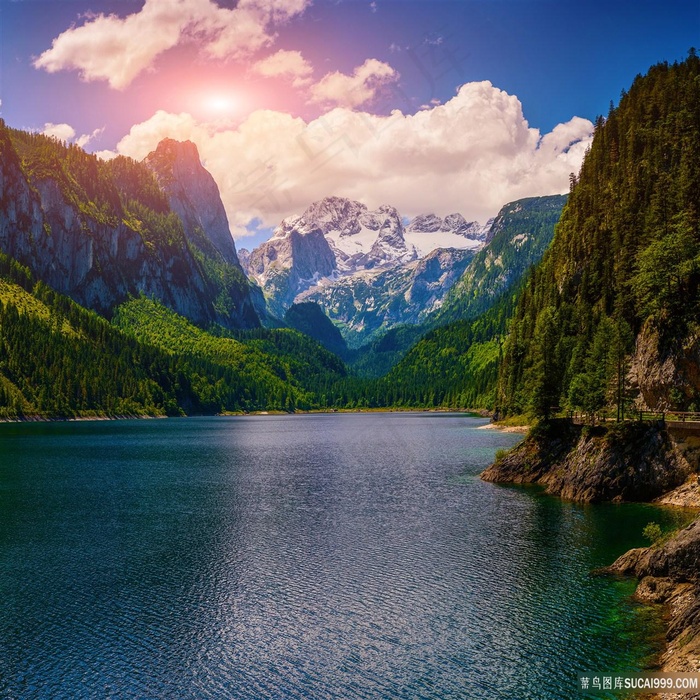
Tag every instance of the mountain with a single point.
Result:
(518, 237)
(194, 197)
(367, 303)
(454, 365)
(308, 318)
(296, 257)
(336, 239)
(607, 325)
(369, 272)
(452, 223)
(100, 232)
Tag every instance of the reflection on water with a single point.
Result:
(319, 556)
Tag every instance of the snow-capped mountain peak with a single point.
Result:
(344, 238)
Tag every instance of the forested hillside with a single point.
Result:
(278, 369)
(454, 366)
(60, 360)
(519, 236)
(611, 313)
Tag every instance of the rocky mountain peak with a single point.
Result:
(425, 223)
(194, 197)
(335, 214)
(452, 223)
(337, 238)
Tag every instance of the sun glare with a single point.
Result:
(220, 104)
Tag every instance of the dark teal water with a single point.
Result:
(315, 556)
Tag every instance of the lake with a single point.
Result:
(302, 556)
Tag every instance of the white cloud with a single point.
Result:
(64, 132)
(85, 139)
(470, 155)
(115, 49)
(354, 90)
(285, 64)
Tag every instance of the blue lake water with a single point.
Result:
(310, 556)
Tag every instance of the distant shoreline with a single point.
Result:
(472, 413)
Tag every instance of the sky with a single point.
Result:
(432, 107)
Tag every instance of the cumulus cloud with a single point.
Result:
(471, 155)
(285, 64)
(353, 90)
(65, 132)
(115, 49)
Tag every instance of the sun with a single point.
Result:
(220, 103)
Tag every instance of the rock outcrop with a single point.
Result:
(666, 374)
(625, 462)
(670, 575)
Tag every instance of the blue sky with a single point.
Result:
(289, 98)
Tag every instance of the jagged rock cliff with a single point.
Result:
(452, 223)
(101, 232)
(295, 258)
(625, 462)
(194, 197)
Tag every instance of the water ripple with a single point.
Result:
(300, 557)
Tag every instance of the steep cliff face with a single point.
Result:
(295, 258)
(21, 219)
(625, 462)
(666, 374)
(81, 228)
(194, 197)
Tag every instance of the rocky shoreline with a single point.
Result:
(669, 574)
(627, 462)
